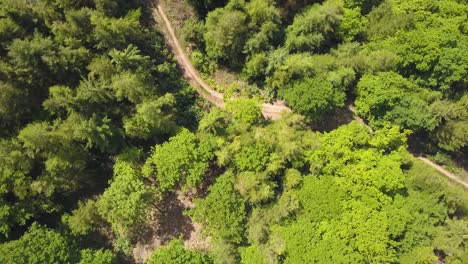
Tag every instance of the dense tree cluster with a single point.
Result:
(345, 196)
(98, 133)
(84, 85)
(177, 254)
(291, 195)
(403, 61)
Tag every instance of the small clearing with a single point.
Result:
(170, 223)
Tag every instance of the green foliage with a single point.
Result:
(261, 219)
(222, 212)
(297, 67)
(348, 143)
(314, 30)
(313, 97)
(245, 110)
(95, 132)
(31, 191)
(436, 58)
(420, 255)
(272, 147)
(192, 32)
(452, 135)
(77, 26)
(129, 58)
(450, 239)
(97, 257)
(116, 32)
(86, 85)
(359, 237)
(203, 6)
(346, 215)
(292, 179)
(251, 255)
(365, 5)
(180, 161)
(12, 106)
(353, 25)
(390, 98)
(38, 245)
(83, 219)
(264, 26)
(213, 122)
(225, 35)
(15, 181)
(130, 86)
(152, 118)
(124, 204)
(254, 187)
(321, 198)
(201, 62)
(290, 140)
(225, 252)
(255, 67)
(430, 181)
(38, 59)
(253, 157)
(177, 254)
(454, 121)
(77, 75)
(384, 21)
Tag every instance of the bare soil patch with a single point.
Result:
(178, 13)
(168, 223)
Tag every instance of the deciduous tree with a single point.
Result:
(180, 161)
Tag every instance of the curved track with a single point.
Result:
(273, 111)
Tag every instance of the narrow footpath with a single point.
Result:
(445, 172)
(273, 111)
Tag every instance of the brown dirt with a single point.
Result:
(273, 111)
(178, 12)
(445, 172)
(169, 223)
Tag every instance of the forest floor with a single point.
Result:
(168, 223)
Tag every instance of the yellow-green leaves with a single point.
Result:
(180, 161)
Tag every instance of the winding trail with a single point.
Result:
(273, 111)
(439, 168)
(445, 172)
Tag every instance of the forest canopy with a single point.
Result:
(312, 53)
(107, 155)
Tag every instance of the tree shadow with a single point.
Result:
(167, 222)
(172, 222)
(341, 116)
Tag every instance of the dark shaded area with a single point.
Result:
(205, 6)
(341, 116)
(169, 222)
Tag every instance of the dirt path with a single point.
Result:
(358, 118)
(272, 111)
(439, 168)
